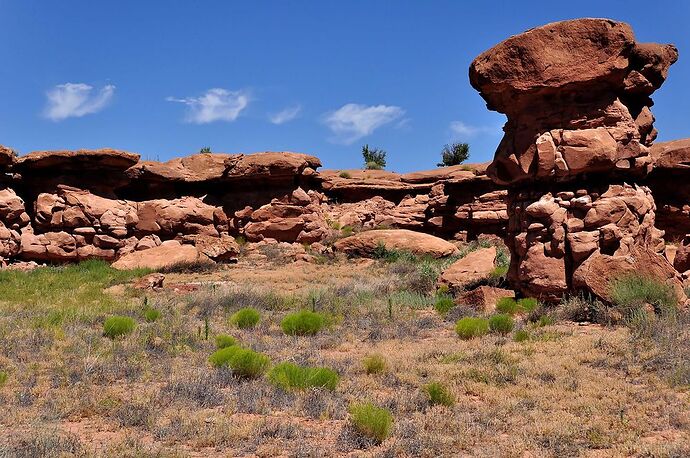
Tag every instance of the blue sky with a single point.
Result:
(165, 78)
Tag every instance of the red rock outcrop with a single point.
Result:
(13, 221)
(576, 94)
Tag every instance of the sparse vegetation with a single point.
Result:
(444, 304)
(345, 174)
(151, 314)
(118, 326)
(631, 293)
(374, 158)
(245, 318)
(3, 377)
(290, 376)
(302, 323)
(374, 364)
(438, 394)
(510, 306)
(225, 341)
(471, 327)
(501, 323)
(454, 154)
(371, 421)
(243, 362)
(205, 150)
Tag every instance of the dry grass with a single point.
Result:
(569, 390)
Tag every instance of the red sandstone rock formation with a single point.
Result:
(576, 94)
(364, 243)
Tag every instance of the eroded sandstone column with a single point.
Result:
(576, 94)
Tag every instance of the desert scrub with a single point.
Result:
(511, 306)
(374, 364)
(293, 377)
(371, 421)
(3, 378)
(630, 293)
(243, 362)
(438, 394)
(302, 323)
(471, 327)
(443, 304)
(345, 174)
(501, 323)
(245, 318)
(151, 314)
(225, 341)
(521, 335)
(117, 326)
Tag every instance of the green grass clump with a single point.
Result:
(521, 335)
(444, 304)
(374, 364)
(243, 362)
(511, 306)
(293, 377)
(3, 377)
(116, 326)
(470, 327)
(499, 272)
(633, 291)
(527, 304)
(507, 305)
(151, 315)
(501, 323)
(345, 174)
(302, 323)
(245, 318)
(371, 421)
(225, 341)
(438, 394)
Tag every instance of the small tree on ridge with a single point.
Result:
(454, 154)
(374, 158)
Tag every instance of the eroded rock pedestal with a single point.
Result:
(576, 142)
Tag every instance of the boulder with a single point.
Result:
(475, 266)
(365, 243)
(168, 253)
(189, 169)
(484, 298)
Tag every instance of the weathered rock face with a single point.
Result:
(365, 243)
(13, 221)
(669, 182)
(101, 171)
(557, 238)
(576, 94)
(168, 253)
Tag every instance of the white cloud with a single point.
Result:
(288, 114)
(353, 121)
(462, 130)
(73, 100)
(216, 104)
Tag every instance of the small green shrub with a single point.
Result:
(444, 304)
(371, 421)
(470, 327)
(151, 315)
(225, 341)
(345, 174)
(243, 362)
(438, 394)
(374, 364)
(507, 305)
(544, 320)
(3, 377)
(527, 304)
(302, 323)
(374, 158)
(501, 323)
(499, 272)
(293, 377)
(521, 335)
(512, 307)
(347, 231)
(443, 290)
(116, 326)
(245, 318)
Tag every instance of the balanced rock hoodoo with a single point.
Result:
(576, 94)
